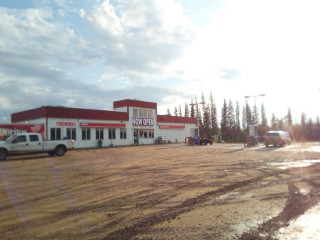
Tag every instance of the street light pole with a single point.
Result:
(255, 116)
(255, 103)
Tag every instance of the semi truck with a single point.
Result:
(24, 143)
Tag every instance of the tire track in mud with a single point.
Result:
(297, 204)
(172, 212)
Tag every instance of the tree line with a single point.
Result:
(234, 120)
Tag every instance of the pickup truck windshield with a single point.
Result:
(9, 139)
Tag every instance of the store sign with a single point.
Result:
(66, 124)
(136, 121)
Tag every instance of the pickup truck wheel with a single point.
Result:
(3, 154)
(60, 151)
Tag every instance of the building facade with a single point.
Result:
(131, 122)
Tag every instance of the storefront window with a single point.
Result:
(85, 133)
(135, 112)
(71, 133)
(99, 134)
(55, 133)
(112, 133)
(146, 133)
(123, 133)
(143, 113)
(151, 134)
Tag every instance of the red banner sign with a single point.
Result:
(66, 124)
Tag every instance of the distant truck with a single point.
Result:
(24, 143)
(206, 140)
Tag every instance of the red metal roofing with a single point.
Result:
(134, 103)
(174, 119)
(65, 112)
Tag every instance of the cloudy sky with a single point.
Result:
(89, 53)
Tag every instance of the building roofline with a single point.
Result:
(67, 112)
(134, 103)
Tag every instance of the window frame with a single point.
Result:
(55, 134)
(99, 134)
(111, 133)
(123, 133)
(33, 138)
(86, 134)
(72, 133)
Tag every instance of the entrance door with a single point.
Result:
(136, 136)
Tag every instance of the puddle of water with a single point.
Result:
(304, 227)
(314, 149)
(225, 196)
(305, 149)
(304, 191)
(293, 164)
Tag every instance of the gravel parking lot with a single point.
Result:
(171, 191)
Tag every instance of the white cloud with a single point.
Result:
(139, 35)
(104, 18)
(273, 46)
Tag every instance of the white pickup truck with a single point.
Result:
(33, 143)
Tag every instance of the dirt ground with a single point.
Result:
(171, 191)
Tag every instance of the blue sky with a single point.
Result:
(89, 53)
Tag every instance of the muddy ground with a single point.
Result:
(172, 191)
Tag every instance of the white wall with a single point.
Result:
(175, 135)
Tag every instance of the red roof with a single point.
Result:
(174, 119)
(65, 112)
(134, 103)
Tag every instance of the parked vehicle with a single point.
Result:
(33, 143)
(206, 140)
(277, 138)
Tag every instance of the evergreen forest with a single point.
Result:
(235, 120)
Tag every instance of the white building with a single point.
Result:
(131, 122)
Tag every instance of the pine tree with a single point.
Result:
(223, 124)
(289, 118)
(274, 122)
(317, 129)
(205, 129)
(168, 112)
(213, 117)
(303, 126)
(186, 110)
(244, 118)
(264, 121)
(180, 111)
(310, 132)
(263, 127)
(255, 117)
(231, 122)
(206, 121)
(192, 109)
(237, 123)
(249, 118)
(176, 111)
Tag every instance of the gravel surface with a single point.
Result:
(172, 191)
